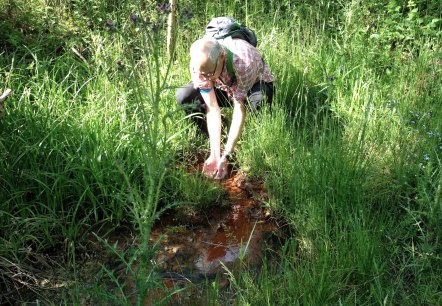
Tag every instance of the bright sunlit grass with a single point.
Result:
(350, 151)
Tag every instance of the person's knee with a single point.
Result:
(189, 99)
(260, 94)
(255, 100)
(182, 96)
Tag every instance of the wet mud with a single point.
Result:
(234, 231)
(233, 237)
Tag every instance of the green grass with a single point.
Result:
(350, 151)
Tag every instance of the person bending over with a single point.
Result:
(221, 77)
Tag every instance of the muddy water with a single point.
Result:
(231, 235)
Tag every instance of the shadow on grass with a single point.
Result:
(307, 104)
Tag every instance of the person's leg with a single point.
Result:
(260, 93)
(190, 99)
(223, 101)
(192, 102)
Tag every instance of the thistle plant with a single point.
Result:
(148, 80)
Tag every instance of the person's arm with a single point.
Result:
(214, 129)
(238, 118)
(245, 78)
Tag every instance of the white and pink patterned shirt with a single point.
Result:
(249, 69)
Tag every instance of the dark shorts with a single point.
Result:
(191, 100)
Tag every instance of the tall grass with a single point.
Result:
(85, 142)
(344, 160)
(350, 151)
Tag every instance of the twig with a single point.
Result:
(19, 274)
(8, 92)
(77, 53)
(3, 97)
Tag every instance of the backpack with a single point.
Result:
(223, 27)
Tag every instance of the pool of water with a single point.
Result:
(232, 233)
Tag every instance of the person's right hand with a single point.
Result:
(211, 166)
(215, 168)
(221, 169)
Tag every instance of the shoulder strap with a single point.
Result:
(230, 65)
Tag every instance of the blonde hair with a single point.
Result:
(208, 46)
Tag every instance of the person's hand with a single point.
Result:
(215, 168)
(221, 170)
(211, 166)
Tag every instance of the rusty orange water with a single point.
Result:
(229, 234)
(232, 234)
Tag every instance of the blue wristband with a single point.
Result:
(204, 91)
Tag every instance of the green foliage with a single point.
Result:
(350, 152)
(192, 192)
(405, 23)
